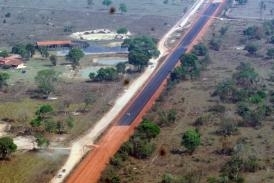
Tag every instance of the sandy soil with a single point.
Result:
(25, 143)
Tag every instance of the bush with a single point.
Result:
(167, 117)
(191, 140)
(122, 30)
(217, 108)
(202, 120)
(200, 49)
(148, 130)
(167, 178)
(141, 149)
(227, 127)
(215, 44)
(251, 48)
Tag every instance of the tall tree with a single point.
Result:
(74, 56)
(7, 146)
(20, 49)
(30, 49)
(141, 49)
(46, 80)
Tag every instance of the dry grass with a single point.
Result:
(192, 99)
(30, 167)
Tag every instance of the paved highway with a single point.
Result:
(166, 68)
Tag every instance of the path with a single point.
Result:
(79, 146)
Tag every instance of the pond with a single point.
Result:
(96, 49)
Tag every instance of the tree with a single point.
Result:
(7, 146)
(122, 30)
(253, 32)
(30, 49)
(106, 74)
(226, 90)
(44, 110)
(123, 8)
(190, 65)
(251, 48)
(21, 50)
(200, 49)
(4, 53)
(3, 79)
(74, 56)
(121, 67)
(270, 52)
(245, 77)
(215, 44)
(46, 80)
(92, 75)
(53, 59)
(191, 140)
(148, 130)
(44, 52)
(141, 49)
(107, 2)
(138, 58)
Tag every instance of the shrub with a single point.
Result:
(215, 44)
(167, 178)
(227, 127)
(217, 108)
(191, 140)
(200, 49)
(122, 30)
(201, 120)
(148, 130)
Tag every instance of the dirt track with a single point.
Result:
(111, 141)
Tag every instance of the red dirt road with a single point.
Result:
(90, 169)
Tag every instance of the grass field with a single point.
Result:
(30, 167)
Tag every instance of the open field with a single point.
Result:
(31, 167)
(253, 10)
(33, 20)
(192, 99)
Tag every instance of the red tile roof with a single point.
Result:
(12, 60)
(53, 43)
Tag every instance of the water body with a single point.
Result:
(96, 49)
(93, 49)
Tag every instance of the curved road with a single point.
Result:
(167, 67)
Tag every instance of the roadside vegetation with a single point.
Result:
(215, 116)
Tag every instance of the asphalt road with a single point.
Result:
(162, 73)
